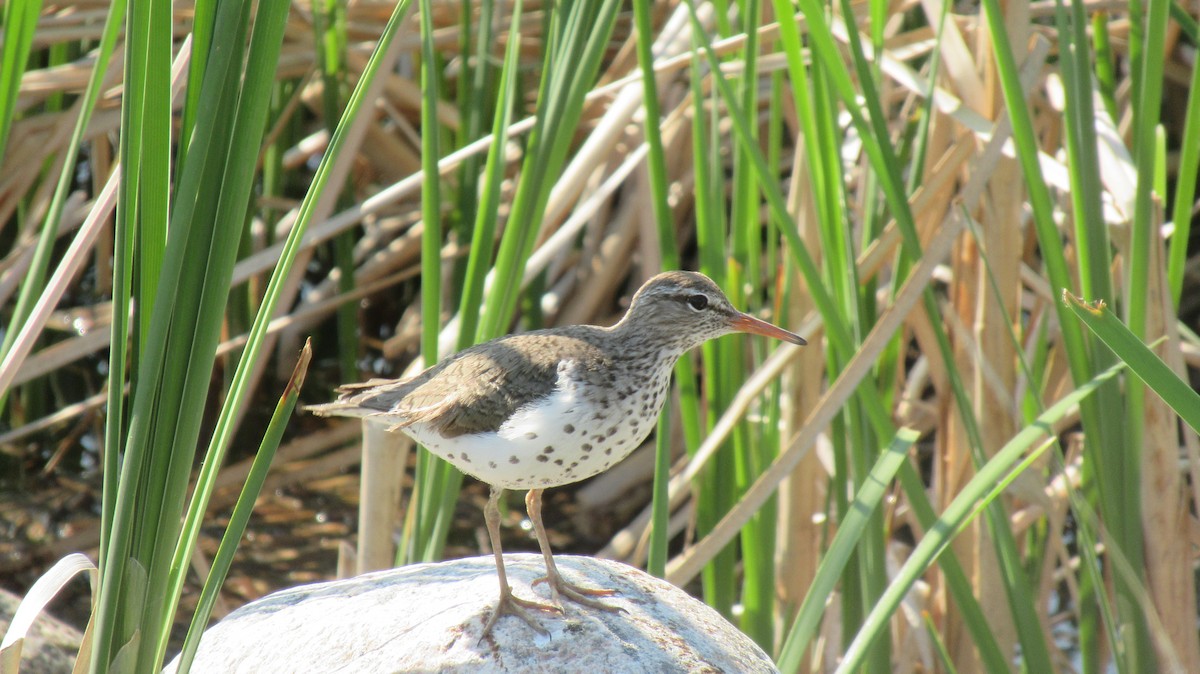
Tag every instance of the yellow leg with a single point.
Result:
(509, 603)
(559, 587)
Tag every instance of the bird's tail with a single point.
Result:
(339, 408)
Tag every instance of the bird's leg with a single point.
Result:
(509, 603)
(559, 585)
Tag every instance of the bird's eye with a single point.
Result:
(698, 302)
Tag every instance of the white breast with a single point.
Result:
(559, 439)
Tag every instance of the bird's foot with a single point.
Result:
(513, 605)
(559, 587)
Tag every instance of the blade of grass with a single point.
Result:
(233, 184)
(1148, 367)
(1086, 527)
(1106, 77)
(717, 574)
(578, 36)
(572, 60)
(749, 457)
(656, 560)
(1091, 232)
(252, 352)
(252, 113)
(715, 495)
(19, 23)
(683, 569)
(145, 106)
(116, 567)
(329, 27)
(475, 92)
(1111, 470)
(182, 337)
(866, 577)
(44, 589)
(1036, 649)
(1185, 189)
(436, 482)
(435, 505)
(850, 529)
(1125, 521)
(203, 23)
(486, 211)
(937, 539)
(33, 284)
(240, 516)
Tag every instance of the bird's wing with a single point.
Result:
(478, 390)
(473, 391)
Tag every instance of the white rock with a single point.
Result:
(428, 618)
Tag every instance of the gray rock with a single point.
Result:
(428, 618)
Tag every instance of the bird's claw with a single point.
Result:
(513, 605)
(580, 595)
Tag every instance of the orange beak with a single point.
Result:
(750, 324)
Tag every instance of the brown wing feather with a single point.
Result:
(475, 390)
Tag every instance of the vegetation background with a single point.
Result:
(968, 469)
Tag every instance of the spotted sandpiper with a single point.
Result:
(551, 407)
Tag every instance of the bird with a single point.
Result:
(551, 407)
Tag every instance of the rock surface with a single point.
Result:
(428, 618)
